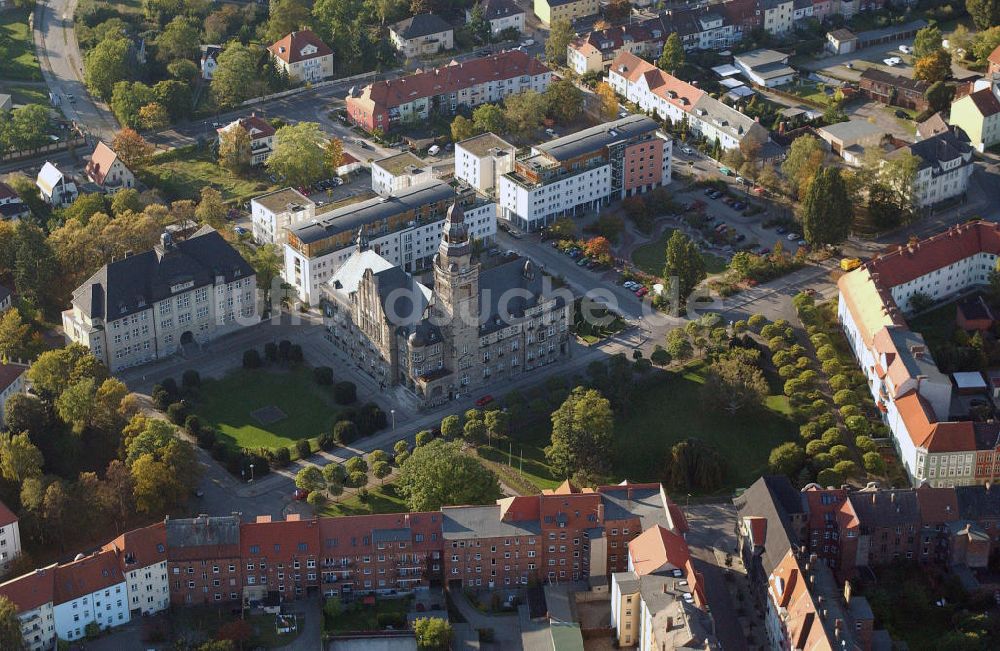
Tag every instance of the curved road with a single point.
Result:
(62, 67)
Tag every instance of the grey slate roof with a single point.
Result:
(350, 218)
(390, 535)
(203, 531)
(493, 9)
(885, 508)
(5, 293)
(946, 146)
(462, 522)
(775, 499)
(135, 283)
(496, 283)
(627, 581)
(594, 138)
(977, 503)
(644, 503)
(420, 25)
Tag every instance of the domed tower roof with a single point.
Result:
(455, 240)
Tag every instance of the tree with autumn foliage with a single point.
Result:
(334, 153)
(237, 631)
(598, 248)
(132, 148)
(934, 67)
(608, 99)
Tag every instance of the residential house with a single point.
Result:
(382, 104)
(404, 228)
(279, 557)
(261, 136)
(209, 60)
(54, 187)
(778, 16)
(89, 590)
(993, 62)
(397, 172)
(595, 51)
(932, 126)
(549, 11)
(907, 387)
(142, 558)
(481, 160)
(11, 206)
(841, 41)
(849, 139)
(204, 561)
(33, 594)
(272, 214)
(945, 167)
(585, 171)
(108, 171)
(768, 68)
(10, 532)
(671, 99)
(801, 10)
(144, 307)
(421, 35)
(894, 90)
(978, 114)
(348, 165)
(12, 379)
(501, 15)
(303, 56)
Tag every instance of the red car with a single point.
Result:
(300, 494)
(485, 400)
(642, 291)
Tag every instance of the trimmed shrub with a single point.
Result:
(271, 351)
(802, 362)
(832, 436)
(826, 352)
(845, 397)
(323, 375)
(282, 457)
(345, 393)
(177, 412)
(161, 397)
(809, 431)
(846, 468)
(857, 424)
(251, 358)
(874, 463)
(295, 354)
(192, 424)
(781, 358)
(284, 346)
(816, 447)
(424, 437)
(316, 499)
(829, 477)
(787, 371)
(191, 379)
(220, 451)
(756, 322)
(865, 444)
(831, 366)
(825, 421)
(770, 331)
(840, 452)
(849, 410)
(840, 382)
(170, 384)
(345, 432)
(207, 438)
(304, 448)
(326, 441)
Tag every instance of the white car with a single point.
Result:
(906, 49)
(551, 132)
(791, 237)
(687, 150)
(892, 61)
(433, 150)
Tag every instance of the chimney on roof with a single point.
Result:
(670, 623)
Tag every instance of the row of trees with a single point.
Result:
(522, 114)
(25, 127)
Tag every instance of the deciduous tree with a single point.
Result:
(564, 100)
(693, 465)
(310, 479)
(462, 128)
(298, 157)
(19, 458)
(107, 64)
(683, 262)
(211, 210)
(582, 433)
(608, 100)
(787, 459)
(132, 149)
(234, 149)
(235, 79)
(985, 13)
(432, 633)
(827, 213)
(178, 40)
(804, 159)
(440, 474)
(560, 34)
(13, 335)
(153, 116)
(523, 112)
(488, 117)
(334, 154)
(735, 383)
(10, 626)
(927, 41)
(933, 67)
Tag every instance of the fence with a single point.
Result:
(15, 156)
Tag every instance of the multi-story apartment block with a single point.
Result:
(423, 34)
(671, 99)
(261, 136)
(272, 214)
(204, 559)
(33, 594)
(945, 167)
(978, 114)
(464, 333)
(12, 382)
(907, 387)
(142, 555)
(440, 91)
(585, 171)
(143, 307)
(481, 160)
(549, 11)
(779, 16)
(396, 173)
(404, 228)
(594, 51)
(303, 56)
(279, 556)
(89, 590)
(501, 15)
(10, 536)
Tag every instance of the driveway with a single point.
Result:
(506, 628)
(310, 614)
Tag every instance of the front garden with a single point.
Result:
(378, 615)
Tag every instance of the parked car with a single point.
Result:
(300, 494)
(337, 181)
(780, 230)
(906, 49)
(791, 237)
(902, 115)
(551, 132)
(582, 261)
(642, 291)
(739, 205)
(484, 400)
(361, 143)
(687, 150)
(239, 230)
(850, 264)
(433, 150)
(892, 61)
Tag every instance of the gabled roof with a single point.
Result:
(775, 499)
(937, 505)
(946, 146)
(140, 547)
(6, 515)
(280, 539)
(31, 590)
(673, 90)
(495, 9)
(420, 25)
(656, 547)
(994, 56)
(978, 502)
(100, 163)
(880, 76)
(7, 192)
(928, 433)
(89, 574)
(254, 126)
(289, 49)
(49, 177)
(9, 372)
(985, 102)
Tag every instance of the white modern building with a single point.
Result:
(768, 68)
(398, 172)
(946, 165)
(585, 171)
(481, 160)
(273, 213)
(54, 187)
(404, 228)
(12, 382)
(142, 555)
(89, 590)
(779, 16)
(144, 307)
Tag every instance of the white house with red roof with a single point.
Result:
(12, 377)
(490, 79)
(303, 55)
(10, 538)
(91, 589)
(107, 171)
(33, 594)
(11, 206)
(261, 136)
(142, 557)
(978, 114)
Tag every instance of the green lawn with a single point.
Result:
(182, 173)
(657, 419)
(381, 499)
(808, 90)
(360, 617)
(24, 94)
(650, 257)
(19, 61)
(227, 405)
(206, 620)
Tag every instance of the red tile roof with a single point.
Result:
(89, 574)
(31, 590)
(357, 527)
(100, 163)
(933, 436)
(655, 547)
(9, 373)
(6, 515)
(140, 547)
(937, 505)
(910, 262)
(675, 91)
(451, 78)
(289, 49)
(254, 126)
(994, 56)
(276, 538)
(986, 102)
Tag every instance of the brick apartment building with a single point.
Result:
(894, 90)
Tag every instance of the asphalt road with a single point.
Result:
(62, 68)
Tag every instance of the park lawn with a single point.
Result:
(360, 617)
(381, 499)
(525, 452)
(24, 94)
(227, 405)
(20, 61)
(182, 173)
(651, 257)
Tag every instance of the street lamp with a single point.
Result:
(251, 472)
(392, 412)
